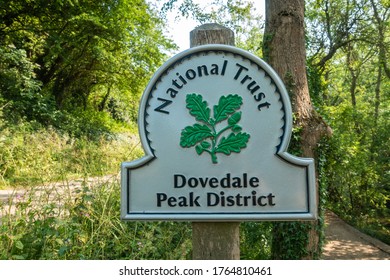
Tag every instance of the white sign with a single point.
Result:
(215, 122)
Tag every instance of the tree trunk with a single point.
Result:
(217, 240)
(284, 49)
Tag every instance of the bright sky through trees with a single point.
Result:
(179, 27)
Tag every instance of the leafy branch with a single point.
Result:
(204, 135)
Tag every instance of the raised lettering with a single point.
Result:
(179, 181)
(190, 74)
(259, 96)
(245, 79)
(160, 198)
(270, 199)
(202, 68)
(214, 70)
(254, 182)
(160, 108)
(213, 182)
(212, 199)
(239, 70)
(252, 88)
(266, 104)
(172, 92)
(224, 67)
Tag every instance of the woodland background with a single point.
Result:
(71, 76)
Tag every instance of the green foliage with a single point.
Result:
(290, 240)
(83, 223)
(350, 84)
(59, 58)
(20, 95)
(256, 239)
(225, 109)
(30, 156)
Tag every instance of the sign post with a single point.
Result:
(215, 122)
(214, 240)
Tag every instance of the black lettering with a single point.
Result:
(266, 104)
(214, 70)
(239, 71)
(259, 200)
(172, 92)
(246, 198)
(225, 182)
(224, 67)
(194, 201)
(183, 201)
(236, 182)
(246, 78)
(161, 197)
(254, 182)
(270, 199)
(238, 200)
(259, 96)
(222, 199)
(254, 198)
(160, 108)
(202, 68)
(174, 82)
(172, 201)
(193, 182)
(252, 88)
(203, 182)
(212, 199)
(181, 78)
(213, 182)
(190, 74)
(245, 180)
(179, 183)
(230, 200)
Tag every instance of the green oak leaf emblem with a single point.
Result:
(205, 135)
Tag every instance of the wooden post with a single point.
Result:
(211, 33)
(214, 240)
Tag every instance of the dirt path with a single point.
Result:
(343, 242)
(57, 192)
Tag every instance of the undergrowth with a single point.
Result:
(84, 223)
(37, 156)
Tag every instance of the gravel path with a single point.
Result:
(344, 242)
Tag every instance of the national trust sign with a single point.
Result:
(215, 122)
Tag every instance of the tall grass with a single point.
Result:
(36, 157)
(63, 221)
(84, 223)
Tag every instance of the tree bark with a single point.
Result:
(215, 240)
(284, 49)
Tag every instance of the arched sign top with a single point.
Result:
(215, 123)
(239, 73)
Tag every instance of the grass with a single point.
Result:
(30, 158)
(84, 223)
(377, 227)
(61, 221)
